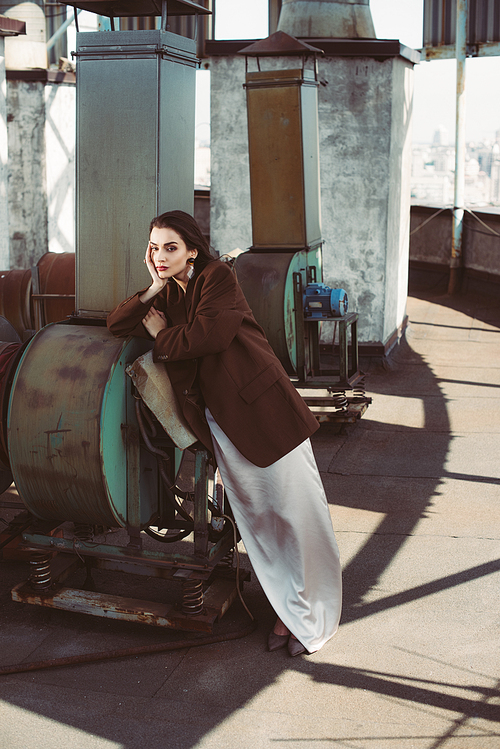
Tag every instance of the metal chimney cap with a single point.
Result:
(122, 8)
(279, 43)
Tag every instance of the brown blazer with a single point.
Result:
(218, 356)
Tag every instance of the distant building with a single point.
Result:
(433, 167)
(441, 137)
(495, 175)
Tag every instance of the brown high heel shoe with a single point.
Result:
(295, 647)
(275, 642)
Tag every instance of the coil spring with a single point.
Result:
(192, 597)
(84, 532)
(359, 391)
(40, 577)
(227, 561)
(339, 399)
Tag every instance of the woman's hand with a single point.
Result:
(157, 283)
(154, 322)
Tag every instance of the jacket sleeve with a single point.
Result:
(126, 318)
(216, 321)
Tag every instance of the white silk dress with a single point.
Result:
(283, 518)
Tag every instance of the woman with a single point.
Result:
(240, 403)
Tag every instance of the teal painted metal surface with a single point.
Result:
(149, 557)
(68, 414)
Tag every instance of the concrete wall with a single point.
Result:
(365, 142)
(365, 161)
(41, 138)
(230, 218)
(4, 205)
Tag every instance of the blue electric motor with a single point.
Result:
(323, 303)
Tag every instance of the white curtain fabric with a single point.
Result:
(283, 518)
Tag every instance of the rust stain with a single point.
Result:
(71, 373)
(91, 349)
(39, 399)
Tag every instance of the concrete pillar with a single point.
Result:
(365, 107)
(27, 176)
(41, 132)
(4, 152)
(8, 27)
(365, 147)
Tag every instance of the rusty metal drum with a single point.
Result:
(267, 280)
(70, 410)
(57, 276)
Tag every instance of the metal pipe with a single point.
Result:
(60, 31)
(161, 647)
(459, 203)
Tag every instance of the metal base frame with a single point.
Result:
(325, 390)
(219, 591)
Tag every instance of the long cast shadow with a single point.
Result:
(361, 574)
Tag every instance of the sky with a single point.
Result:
(434, 82)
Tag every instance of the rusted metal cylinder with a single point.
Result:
(15, 299)
(70, 414)
(267, 280)
(9, 358)
(57, 276)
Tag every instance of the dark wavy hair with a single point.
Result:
(188, 229)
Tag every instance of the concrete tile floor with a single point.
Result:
(414, 491)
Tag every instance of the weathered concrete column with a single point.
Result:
(8, 27)
(4, 153)
(41, 131)
(365, 107)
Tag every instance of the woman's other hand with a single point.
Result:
(154, 322)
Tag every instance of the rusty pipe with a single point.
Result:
(72, 660)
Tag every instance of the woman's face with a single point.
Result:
(170, 254)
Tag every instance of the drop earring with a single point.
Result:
(190, 268)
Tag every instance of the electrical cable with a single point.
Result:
(167, 539)
(235, 539)
(466, 210)
(421, 226)
(482, 222)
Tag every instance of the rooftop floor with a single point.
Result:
(414, 492)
